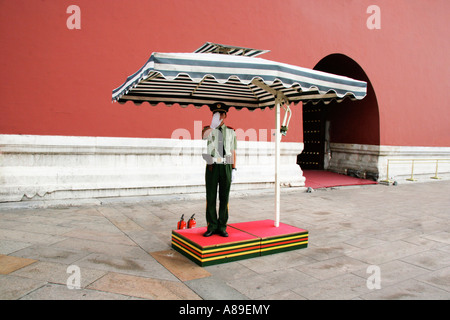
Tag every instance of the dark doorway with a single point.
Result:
(314, 125)
(346, 122)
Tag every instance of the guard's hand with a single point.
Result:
(215, 120)
(233, 174)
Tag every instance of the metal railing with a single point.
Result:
(413, 162)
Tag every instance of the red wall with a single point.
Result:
(57, 81)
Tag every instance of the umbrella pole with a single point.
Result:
(277, 160)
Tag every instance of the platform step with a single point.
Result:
(246, 240)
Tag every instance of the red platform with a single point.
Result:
(245, 240)
(275, 239)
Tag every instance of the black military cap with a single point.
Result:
(219, 107)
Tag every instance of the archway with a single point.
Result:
(348, 123)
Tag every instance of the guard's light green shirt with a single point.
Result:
(229, 140)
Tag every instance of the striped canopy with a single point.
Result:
(210, 47)
(234, 77)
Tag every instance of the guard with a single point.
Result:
(220, 169)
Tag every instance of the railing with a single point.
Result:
(414, 161)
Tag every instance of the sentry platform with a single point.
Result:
(245, 240)
(275, 239)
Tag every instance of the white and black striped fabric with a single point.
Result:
(210, 47)
(205, 78)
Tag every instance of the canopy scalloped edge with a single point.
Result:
(195, 67)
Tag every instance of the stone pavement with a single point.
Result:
(365, 242)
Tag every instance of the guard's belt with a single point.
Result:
(210, 159)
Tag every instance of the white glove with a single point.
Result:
(233, 174)
(215, 120)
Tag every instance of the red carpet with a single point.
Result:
(325, 179)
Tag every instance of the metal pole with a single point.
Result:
(436, 174)
(388, 181)
(412, 172)
(387, 172)
(277, 161)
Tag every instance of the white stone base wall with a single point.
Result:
(36, 167)
(365, 160)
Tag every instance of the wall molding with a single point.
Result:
(36, 167)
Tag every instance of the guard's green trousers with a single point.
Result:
(217, 176)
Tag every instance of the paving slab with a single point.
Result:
(142, 287)
(254, 287)
(283, 295)
(150, 241)
(122, 247)
(121, 221)
(13, 287)
(280, 261)
(387, 252)
(126, 265)
(393, 272)
(57, 273)
(103, 236)
(331, 268)
(212, 288)
(179, 266)
(439, 278)
(29, 237)
(101, 247)
(443, 236)
(343, 287)
(10, 264)
(432, 259)
(9, 246)
(408, 290)
(52, 291)
(51, 254)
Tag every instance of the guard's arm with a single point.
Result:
(206, 132)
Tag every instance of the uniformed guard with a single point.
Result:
(220, 169)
